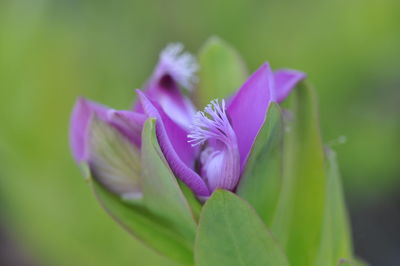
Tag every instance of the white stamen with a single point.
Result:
(213, 123)
(182, 65)
(220, 164)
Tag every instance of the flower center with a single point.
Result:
(220, 159)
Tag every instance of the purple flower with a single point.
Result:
(175, 68)
(206, 150)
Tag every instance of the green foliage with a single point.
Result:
(261, 181)
(221, 73)
(299, 215)
(335, 238)
(231, 233)
(146, 226)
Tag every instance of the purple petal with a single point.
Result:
(165, 91)
(248, 109)
(81, 115)
(129, 123)
(178, 138)
(285, 81)
(174, 103)
(172, 140)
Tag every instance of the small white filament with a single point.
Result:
(212, 123)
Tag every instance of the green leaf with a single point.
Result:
(298, 219)
(221, 73)
(231, 233)
(335, 237)
(162, 194)
(145, 226)
(261, 181)
(114, 161)
(161, 217)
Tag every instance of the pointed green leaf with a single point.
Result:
(231, 233)
(298, 219)
(261, 181)
(145, 226)
(335, 238)
(221, 73)
(162, 194)
(114, 161)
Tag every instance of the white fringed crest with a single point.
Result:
(181, 65)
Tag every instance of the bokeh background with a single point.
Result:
(52, 51)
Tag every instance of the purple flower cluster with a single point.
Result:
(205, 150)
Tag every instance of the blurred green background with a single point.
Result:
(52, 51)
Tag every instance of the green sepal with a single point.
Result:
(152, 230)
(231, 233)
(162, 193)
